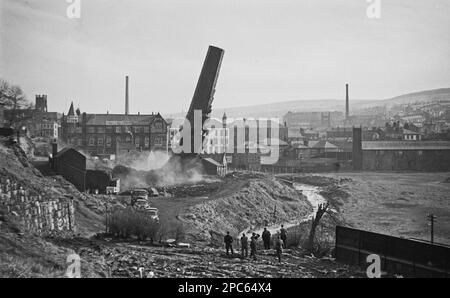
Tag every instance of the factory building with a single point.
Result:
(400, 155)
(72, 165)
(109, 134)
(296, 120)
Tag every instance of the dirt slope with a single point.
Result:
(15, 165)
(258, 203)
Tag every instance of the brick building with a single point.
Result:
(34, 119)
(406, 155)
(400, 155)
(107, 134)
(47, 129)
(70, 164)
(313, 119)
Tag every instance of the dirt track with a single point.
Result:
(238, 202)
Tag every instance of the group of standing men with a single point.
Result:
(280, 243)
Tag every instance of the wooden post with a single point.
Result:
(432, 218)
(106, 218)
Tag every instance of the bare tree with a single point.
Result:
(14, 99)
(315, 222)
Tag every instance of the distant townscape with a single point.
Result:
(410, 132)
(324, 185)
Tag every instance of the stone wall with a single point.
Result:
(36, 213)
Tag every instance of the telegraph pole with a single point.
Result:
(432, 218)
(106, 217)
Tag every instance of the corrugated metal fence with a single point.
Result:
(400, 256)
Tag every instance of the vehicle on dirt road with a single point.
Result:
(139, 193)
(153, 213)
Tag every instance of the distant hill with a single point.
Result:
(421, 96)
(321, 105)
(281, 108)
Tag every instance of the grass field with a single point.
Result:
(398, 203)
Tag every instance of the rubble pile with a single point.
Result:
(128, 260)
(258, 203)
(191, 190)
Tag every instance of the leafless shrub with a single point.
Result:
(179, 233)
(131, 222)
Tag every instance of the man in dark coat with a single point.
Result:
(266, 238)
(244, 246)
(279, 247)
(283, 235)
(228, 243)
(253, 246)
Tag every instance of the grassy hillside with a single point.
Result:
(278, 109)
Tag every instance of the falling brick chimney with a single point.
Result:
(347, 113)
(126, 96)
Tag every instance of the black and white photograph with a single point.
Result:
(224, 145)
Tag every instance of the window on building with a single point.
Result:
(146, 129)
(91, 129)
(158, 140)
(137, 141)
(127, 129)
(157, 125)
(147, 142)
(118, 130)
(128, 139)
(108, 141)
(79, 142)
(109, 129)
(100, 129)
(137, 129)
(100, 141)
(91, 142)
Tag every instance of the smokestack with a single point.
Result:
(54, 153)
(126, 96)
(347, 114)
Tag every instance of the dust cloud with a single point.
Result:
(157, 168)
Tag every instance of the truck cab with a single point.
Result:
(139, 193)
(153, 212)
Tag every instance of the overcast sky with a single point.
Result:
(275, 50)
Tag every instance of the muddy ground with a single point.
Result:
(390, 203)
(110, 258)
(398, 203)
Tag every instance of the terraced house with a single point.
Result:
(107, 134)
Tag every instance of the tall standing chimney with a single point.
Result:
(126, 96)
(347, 114)
(54, 153)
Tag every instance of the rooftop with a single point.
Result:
(324, 144)
(405, 145)
(212, 161)
(410, 132)
(120, 119)
(294, 133)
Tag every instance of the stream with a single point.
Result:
(312, 194)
